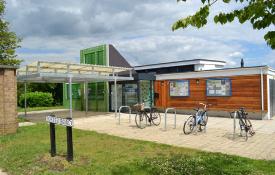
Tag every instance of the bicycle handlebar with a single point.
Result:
(205, 105)
(230, 113)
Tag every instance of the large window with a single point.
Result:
(131, 96)
(218, 87)
(179, 88)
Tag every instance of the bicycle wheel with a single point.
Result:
(189, 125)
(141, 120)
(204, 119)
(156, 118)
(250, 128)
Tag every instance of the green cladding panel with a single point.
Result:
(76, 96)
(97, 92)
(94, 55)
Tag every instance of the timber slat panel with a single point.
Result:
(246, 92)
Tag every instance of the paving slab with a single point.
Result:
(3, 173)
(217, 138)
(26, 124)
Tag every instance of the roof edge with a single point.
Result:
(163, 63)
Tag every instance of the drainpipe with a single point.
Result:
(262, 92)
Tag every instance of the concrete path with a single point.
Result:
(3, 173)
(218, 136)
(26, 124)
(43, 111)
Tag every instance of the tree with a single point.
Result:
(8, 40)
(260, 13)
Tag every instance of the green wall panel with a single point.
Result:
(98, 92)
(76, 97)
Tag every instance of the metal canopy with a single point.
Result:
(57, 72)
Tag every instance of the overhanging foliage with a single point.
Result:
(260, 13)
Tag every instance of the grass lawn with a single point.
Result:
(19, 109)
(27, 152)
(22, 119)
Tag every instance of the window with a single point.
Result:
(179, 88)
(130, 92)
(218, 87)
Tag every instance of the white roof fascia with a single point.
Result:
(213, 73)
(271, 71)
(211, 62)
(179, 63)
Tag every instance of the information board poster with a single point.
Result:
(179, 88)
(218, 87)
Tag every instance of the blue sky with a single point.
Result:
(56, 30)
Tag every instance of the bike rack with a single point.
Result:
(234, 124)
(175, 117)
(121, 107)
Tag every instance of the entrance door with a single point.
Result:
(130, 94)
(119, 96)
(272, 97)
(160, 93)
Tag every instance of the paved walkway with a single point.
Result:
(26, 124)
(2, 173)
(218, 137)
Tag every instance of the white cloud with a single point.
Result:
(141, 30)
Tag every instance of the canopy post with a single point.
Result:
(151, 93)
(115, 97)
(86, 97)
(25, 100)
(70, 93)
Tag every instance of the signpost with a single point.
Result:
(68, 122)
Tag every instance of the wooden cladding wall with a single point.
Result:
(246, 92)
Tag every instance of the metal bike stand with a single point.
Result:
(121, 107)
(146, 117)
(234, 125)
(165, 118)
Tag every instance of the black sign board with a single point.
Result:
(68, 122)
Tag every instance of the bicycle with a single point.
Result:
(244, 123)
(199, 119)
(142, 117)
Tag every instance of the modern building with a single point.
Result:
(98, 92)
(181, 84)
(226, 89)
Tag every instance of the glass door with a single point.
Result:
(119, 96)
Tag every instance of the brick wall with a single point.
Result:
(8, 101)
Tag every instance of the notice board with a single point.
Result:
(179, 88)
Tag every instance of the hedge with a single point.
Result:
(10, 62)
(36, 99)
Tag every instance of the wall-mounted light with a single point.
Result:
(197, 81)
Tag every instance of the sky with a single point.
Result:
(56, 30)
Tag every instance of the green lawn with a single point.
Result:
(27, 152)
(19, 109)
(22, 119)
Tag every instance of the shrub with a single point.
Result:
(36, 99)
